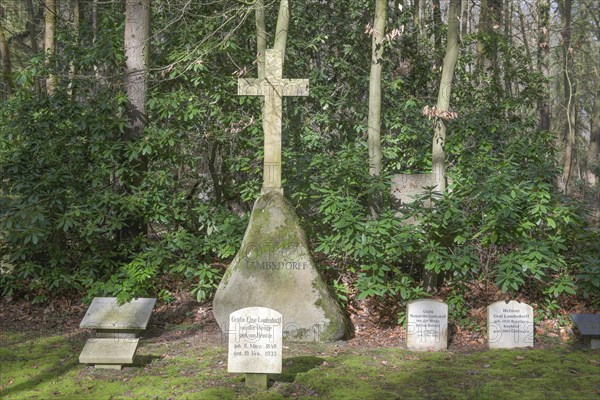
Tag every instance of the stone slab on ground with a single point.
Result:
(589, 328)
(104, 352)
(274, 269)
(106, 314)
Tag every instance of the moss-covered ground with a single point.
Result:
(45, 366)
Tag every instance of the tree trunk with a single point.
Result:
(75, 29)
(437, 25)
(30, 26)
(50, 41)
(465, 17)
(494, 23)
(569, 97)
(137, 43)
(281, 30)
(261, 37)
(593, 155)
(430, 278)
(543, 7)
(417, 18)
(482, 27)
(525, 39)
(508, 12)
(374, 122)
(5, 59)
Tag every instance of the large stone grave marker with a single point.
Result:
(510, 325)
(117, 327)
(406, 187)
(589, 327)
(255, 344)
(427, 325)
(274, 267)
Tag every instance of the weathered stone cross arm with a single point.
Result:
(273, 87)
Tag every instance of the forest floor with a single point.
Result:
(183, 356)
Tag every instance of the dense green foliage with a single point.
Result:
(66, 191)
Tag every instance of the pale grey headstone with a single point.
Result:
(510, 325)
(105, 314)
(427, 325)
(255, 341)
(406, 187)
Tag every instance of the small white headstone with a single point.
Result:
(510, 325)
(427, 325)
(255, 341)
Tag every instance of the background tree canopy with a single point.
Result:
(85, 206)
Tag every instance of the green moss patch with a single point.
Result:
(46, 367)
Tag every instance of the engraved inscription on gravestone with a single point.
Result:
(427, 325)
(405, 187)
(255, 341)
(510, 325)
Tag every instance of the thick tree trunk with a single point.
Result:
(374, 122)
(543, 7)
(50, 40)
(5, 59)
(137, 49)
(430, 278)
(137, 35)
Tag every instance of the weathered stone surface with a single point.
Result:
(405, 187)
(274, 269)
(510, 325)
(108, 351)
(273, 87)
(104, 313)
(255, 341)
(427, 325)
(589, 328)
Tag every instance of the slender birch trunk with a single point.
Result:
(430, 278)
(374, 121)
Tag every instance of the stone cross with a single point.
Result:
(273, 87)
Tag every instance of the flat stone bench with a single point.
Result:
(117, 328)
(589, 328)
